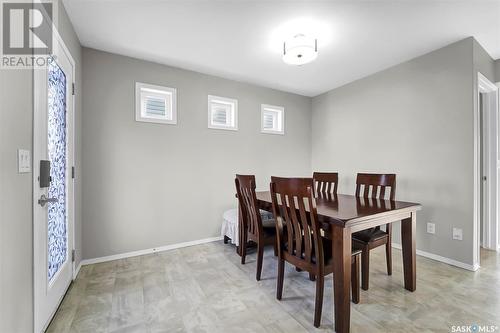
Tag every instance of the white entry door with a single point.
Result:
(52, 201)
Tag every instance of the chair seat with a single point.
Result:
(369, 235)
(230, 224)
(269, 228)
(271, 223)
(327, 252)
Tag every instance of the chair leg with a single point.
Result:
(312, 277)
(388, 255)
(320, 284)
(281, 276)
(388, 250)
(243, 246)
(365, 267)
(260, 257)
(355, 279)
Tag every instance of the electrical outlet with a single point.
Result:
(457, 234)
(23, 160)
(431, 228)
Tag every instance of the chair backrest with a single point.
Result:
(325, 182)
(294, 207)
(250, 213)
(372, 185)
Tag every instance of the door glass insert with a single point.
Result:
(57, 232)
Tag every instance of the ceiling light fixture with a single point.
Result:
(300, 50)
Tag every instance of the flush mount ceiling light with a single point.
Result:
(300, 50)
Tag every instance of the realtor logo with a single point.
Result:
(26, 34)
(26, 28)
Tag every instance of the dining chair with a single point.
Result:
(299, 238)
(252, 226)
(374, 186)
(325, 183)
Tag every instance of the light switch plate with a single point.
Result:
(457, 234)
(23, 160)
(431, 228)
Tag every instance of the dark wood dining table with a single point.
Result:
(341, 215)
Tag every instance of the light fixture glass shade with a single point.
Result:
(300, 50)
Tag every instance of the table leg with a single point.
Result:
(408, 233)
(341, 247)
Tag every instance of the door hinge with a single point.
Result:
(73, 172)
(73, 255)
(73, 89)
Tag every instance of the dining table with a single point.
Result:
(342, 215)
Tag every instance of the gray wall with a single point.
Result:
(483, 63)
(16, 232)
(414, 119)
(149, 185)
(497, 67)
(16, 227)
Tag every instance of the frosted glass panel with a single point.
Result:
(56, 147)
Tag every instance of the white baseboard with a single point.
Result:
(442, 259)
(148, 251)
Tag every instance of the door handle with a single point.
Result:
(43, 200)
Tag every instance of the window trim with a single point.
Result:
(223, 100)
(279, 109)
(139, 86)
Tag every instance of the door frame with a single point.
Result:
(498, 169)
(489, 207)
(57, 41)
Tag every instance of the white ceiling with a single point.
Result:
(241, 39)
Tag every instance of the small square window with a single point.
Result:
(272, 119)
(222, 113)
(155, 104)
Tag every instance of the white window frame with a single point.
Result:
(160, 91)
(233, 103)
(281, 117)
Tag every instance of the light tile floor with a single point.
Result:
(205, 289)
